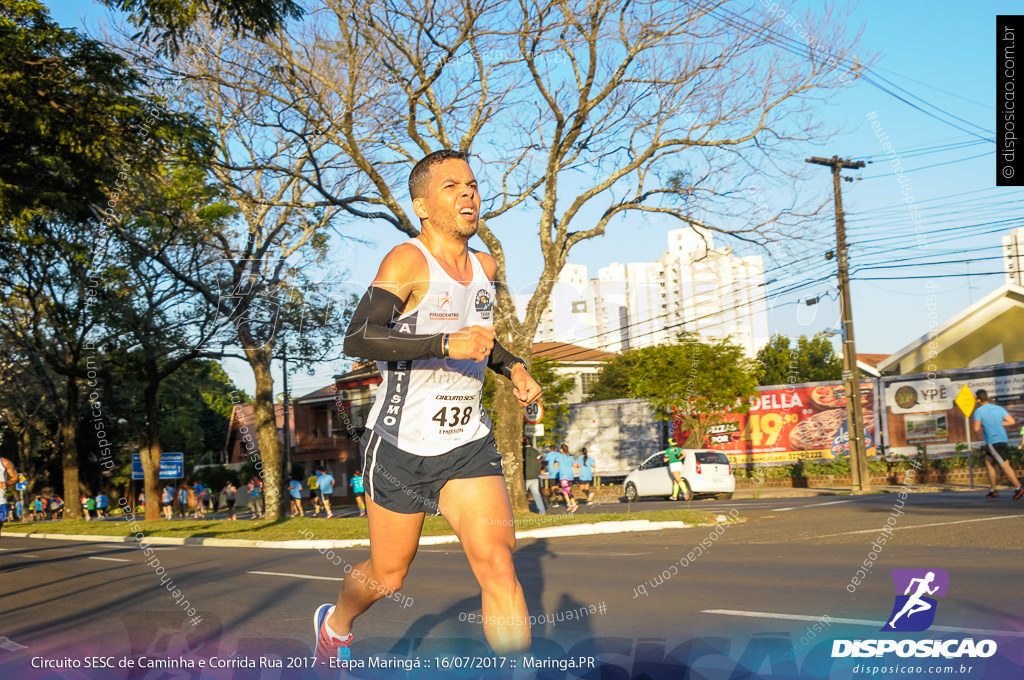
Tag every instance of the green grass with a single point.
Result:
(293, 529)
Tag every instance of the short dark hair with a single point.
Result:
(419, 178)
(982, 395)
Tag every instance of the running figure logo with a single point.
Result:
(914, 610)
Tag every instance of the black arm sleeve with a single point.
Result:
(372, 334)
(502, 361)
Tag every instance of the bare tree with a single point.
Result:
(582, 113)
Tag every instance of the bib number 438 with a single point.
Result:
(451, 416)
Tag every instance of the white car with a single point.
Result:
(704, 472)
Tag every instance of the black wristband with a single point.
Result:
(502, 361)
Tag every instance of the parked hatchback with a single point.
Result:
(705, 472)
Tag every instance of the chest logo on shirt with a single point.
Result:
(444, 302)
(483, 303)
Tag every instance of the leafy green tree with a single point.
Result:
(613, 379)
(75, 120)
(812, 360)
(171, 21)
(693, 382)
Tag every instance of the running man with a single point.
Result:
(674, 455)
(427, 319)
(995, 419)
(915, 604)
(325, 483)
(7, 474)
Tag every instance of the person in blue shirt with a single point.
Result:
(357, 491)
(994, 420)
(586, 464)
(167, 502)
(182, 501)
(550, 463)
(199, 496)
(295, 491)
(256, 497)
(564, 465)
(102, 501)
(325, 482)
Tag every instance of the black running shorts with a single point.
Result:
(998, 451)
(404, 482)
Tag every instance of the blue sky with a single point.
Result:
(943, 54)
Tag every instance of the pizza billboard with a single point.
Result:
(789, 423)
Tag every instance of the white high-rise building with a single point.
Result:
(693, 287)
(1013, 256)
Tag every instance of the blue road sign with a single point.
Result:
(172, 466)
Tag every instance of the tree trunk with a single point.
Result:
(151, 453)
(69, 455)
(268, 461)
(508, 426)
(508, 433)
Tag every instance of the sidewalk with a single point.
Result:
(612, 495)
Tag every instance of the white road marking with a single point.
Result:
(305, 576)
(812, 505)
(857, 622)
(921, 526)
(108, 559)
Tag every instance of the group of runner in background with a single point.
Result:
(566, 471)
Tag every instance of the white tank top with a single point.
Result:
(428, 407)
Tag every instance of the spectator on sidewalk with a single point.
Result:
(531, 471)
(994, 420)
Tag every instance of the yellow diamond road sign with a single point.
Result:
(966, 401)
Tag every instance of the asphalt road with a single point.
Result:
(783, 575)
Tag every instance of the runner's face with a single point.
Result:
(452, 203)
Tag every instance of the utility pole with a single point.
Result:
(851, 376)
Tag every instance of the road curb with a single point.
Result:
(626, 526)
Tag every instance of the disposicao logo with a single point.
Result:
(914, 611)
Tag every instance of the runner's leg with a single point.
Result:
(481, 516)
(1010, 474)
(394, 538)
